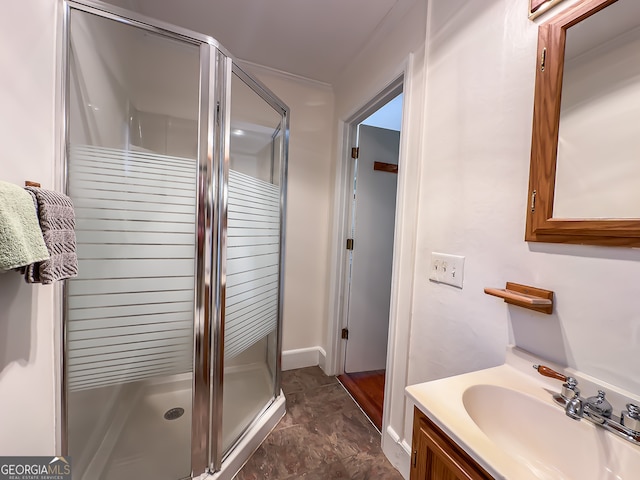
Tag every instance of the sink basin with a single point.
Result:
(540, 436)
(505, 418)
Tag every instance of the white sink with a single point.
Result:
(506, 419)
(550, 444)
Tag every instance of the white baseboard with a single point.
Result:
(304, 357)
(397, 451)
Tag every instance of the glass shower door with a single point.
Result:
(132, 175)
(253, 254)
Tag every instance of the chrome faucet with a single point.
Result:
(596, 409)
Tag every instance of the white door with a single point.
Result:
(372, 255)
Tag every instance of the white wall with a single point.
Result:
(477, 137)
(308, 215)
(27, 152)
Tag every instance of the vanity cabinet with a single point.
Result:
(437, 457)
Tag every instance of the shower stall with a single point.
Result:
(175, 160)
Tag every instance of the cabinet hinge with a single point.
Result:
(355, 151)
(533, 201)
(415, 458)
(349, 243)
(345, 333)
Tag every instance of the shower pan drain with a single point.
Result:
(173, 413)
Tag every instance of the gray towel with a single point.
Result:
(57, 221)
(21, 241)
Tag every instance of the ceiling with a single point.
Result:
(315, 39)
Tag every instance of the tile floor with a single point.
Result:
(323, 436)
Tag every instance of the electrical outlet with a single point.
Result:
(446, 268)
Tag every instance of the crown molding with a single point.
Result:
(257, 69)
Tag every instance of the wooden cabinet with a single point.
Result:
(437, 457)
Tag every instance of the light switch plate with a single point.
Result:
(446, 268)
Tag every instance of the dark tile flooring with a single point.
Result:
(323, 436)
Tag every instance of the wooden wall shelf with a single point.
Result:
(524, 296)
(385, 167)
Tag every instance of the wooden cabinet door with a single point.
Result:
(437, 457)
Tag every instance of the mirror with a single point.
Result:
(584, 168)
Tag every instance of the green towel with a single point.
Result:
(21, 241)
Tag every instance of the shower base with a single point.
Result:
(140, 444)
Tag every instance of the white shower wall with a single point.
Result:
(123, 104)
(162, 133)
(96, 83)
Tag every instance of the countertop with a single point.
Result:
(442, 401)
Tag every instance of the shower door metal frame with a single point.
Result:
(206, 332)
(218, 453)
(217, 66)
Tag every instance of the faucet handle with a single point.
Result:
(634, 410)
(569, 387)
(549, 372)
(600, 405)
(630, 418)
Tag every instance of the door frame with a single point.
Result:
(339, 300)
(396, 417)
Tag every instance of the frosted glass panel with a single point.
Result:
(135, 216)
(253, 254)
(252, 260)
(132, 175)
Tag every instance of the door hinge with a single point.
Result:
(345, 333)
(355, 151)
(415, 458)
(349, 243)
(533, 201)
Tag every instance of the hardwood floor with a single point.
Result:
(367, 388)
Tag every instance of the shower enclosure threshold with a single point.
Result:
(250, 442)
(123, 451)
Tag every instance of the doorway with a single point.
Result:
(371, 227)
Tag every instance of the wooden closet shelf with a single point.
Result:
(524, 296)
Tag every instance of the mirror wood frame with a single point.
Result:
(540, 225)
(538, 7)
